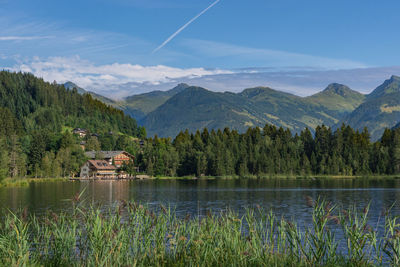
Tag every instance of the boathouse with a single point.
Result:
(98, 169)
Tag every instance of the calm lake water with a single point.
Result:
(285, 197)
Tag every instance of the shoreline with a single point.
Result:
(21, 182)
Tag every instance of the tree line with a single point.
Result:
(273, 151)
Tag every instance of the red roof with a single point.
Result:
(101, 165)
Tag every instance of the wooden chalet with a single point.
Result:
(116, 158)
(98, 169)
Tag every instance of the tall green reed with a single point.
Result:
(133, 235)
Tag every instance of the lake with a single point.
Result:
(197, 197)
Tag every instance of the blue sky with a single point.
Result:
(104, 43)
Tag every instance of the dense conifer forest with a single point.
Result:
(273, 151)
(37, 119)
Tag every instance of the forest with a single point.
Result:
(36, 140)
(273, 151)
(37, 118)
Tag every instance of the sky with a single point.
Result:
(124, 47)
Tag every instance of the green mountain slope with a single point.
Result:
(40, 105)
(138, 106)
(380, 110)
(196, 108)
(338, 97)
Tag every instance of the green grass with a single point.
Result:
(133, 235)
(9, 182)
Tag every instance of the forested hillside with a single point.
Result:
(37, 118)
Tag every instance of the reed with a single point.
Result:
(134, 235)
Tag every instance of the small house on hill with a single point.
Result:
(98, 169)
(116, 158)
(79, 131)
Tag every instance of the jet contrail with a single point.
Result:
(184, 26)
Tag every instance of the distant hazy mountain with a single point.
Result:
(380, 110)
(195, 108)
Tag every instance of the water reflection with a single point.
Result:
(285, 197)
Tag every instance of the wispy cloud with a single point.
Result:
(158, 4)
(23, 38)
(230, 54)
(185, 26)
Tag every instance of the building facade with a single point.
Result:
(98, 169)
(116, 158)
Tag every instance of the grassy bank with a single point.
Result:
(9, 182)
(133, 235)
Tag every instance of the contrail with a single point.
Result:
(184, 26)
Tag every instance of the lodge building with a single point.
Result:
(99, 169)
(116, 158)
(105, 164)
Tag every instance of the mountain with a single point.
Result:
(187, 107)
(391, 86)
(338, 97)
(38, 105)
(195, 108)
(71, 86)
(80, 90)
(138, 106)
(380, 110)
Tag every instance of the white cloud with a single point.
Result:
(100, 77)
(119, 80)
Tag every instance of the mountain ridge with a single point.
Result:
(380, 110)
(195, 108)
(191, 107)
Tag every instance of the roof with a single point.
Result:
(79, 130)
(101, 165)
(105, 154)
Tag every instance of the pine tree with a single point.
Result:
(4, 160)
(396, 152)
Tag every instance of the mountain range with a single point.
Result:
(165, 113)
